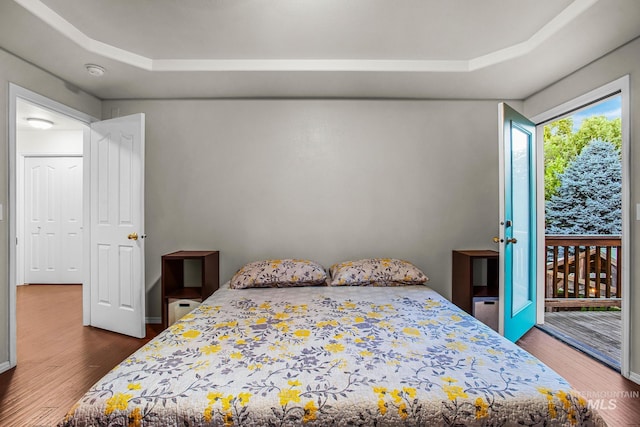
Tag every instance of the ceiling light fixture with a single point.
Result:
(95, 70)
(39, 123)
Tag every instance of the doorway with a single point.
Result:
(24, 104)
(113, 158)
(583, 211)
(49, 197)
(583, 257)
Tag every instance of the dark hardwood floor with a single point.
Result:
(59, 359)
(617, 398)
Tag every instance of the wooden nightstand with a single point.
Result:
(466, 266)
(173, 283)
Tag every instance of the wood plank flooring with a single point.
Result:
(59, 359)
(599, 384)
(597, 333)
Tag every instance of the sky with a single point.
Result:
(611, 108)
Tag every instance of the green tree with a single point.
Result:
(589, 198)
(558, 151)
(599, 128)
(562, 145)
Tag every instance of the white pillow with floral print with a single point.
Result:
(279, 273)
(376, 272)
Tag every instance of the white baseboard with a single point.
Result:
(153, 320)
(4, 366)
(635, 377)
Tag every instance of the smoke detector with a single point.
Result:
(95, 70)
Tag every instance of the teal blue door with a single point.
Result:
(518, 222)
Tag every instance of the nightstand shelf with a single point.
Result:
(475, 275)
(173, 278)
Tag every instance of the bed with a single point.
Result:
(330, 355)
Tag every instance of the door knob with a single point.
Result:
(513, 240)
(133, 236)
(497, 240)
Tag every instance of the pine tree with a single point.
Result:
(562, 144)
(588, 200)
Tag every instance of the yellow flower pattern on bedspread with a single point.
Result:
(330, 356)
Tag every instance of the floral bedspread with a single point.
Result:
(363, 356)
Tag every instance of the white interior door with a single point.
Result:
(53, 220)
(117, 225)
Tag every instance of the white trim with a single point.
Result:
(620, 85)
(541, 274)
(11, 217)
(16, 92)
(543, 34)
(64, 27)
(566, 108)
(635, 377)
(626, 228)
(86, 220)
(5, 366)
(360, 65)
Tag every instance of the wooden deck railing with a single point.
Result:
(583, 271)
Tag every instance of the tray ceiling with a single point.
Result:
(316, 48)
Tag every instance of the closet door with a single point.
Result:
(53, 220)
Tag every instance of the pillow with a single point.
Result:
(376, 272)
(279, 273)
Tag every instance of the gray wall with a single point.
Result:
(323, 179)
(328, 180)
(625, 60)
(14, 70)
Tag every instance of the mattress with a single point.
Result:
(375, 356)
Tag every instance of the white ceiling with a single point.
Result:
(316, 48)
(60, 122)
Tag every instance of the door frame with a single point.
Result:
(620, 86)
(16, 92)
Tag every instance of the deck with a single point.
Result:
(596, 333)
(582, 271)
